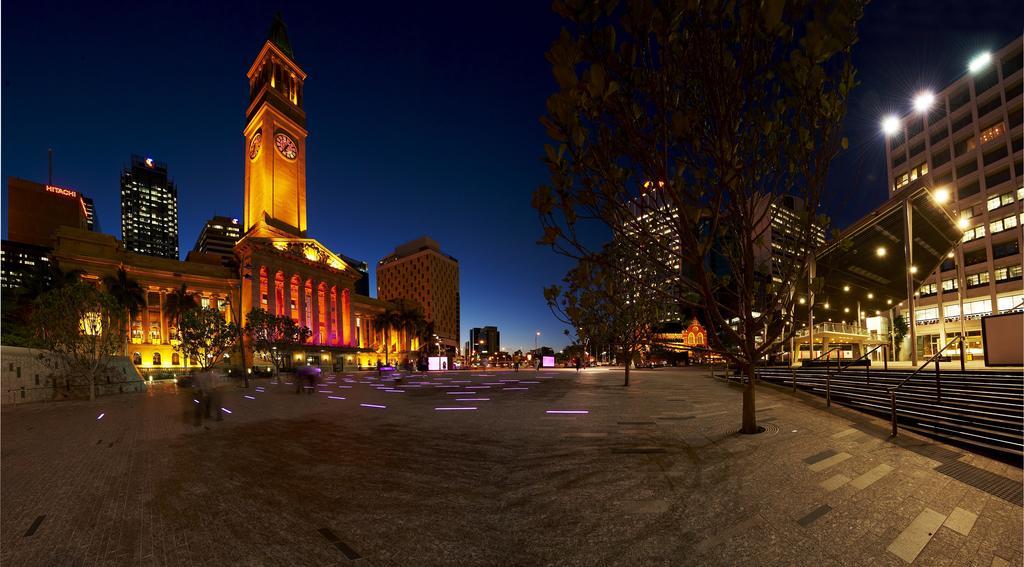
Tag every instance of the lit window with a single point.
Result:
(992, 133)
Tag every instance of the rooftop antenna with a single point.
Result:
(49, 166)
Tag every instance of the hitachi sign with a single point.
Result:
(61, 191)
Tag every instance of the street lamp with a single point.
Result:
(979, 62)
(890, 125)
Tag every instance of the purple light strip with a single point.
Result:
(472, 399)
(529, 382)
(195, 400)
(460, 393)
(323, 391)
(462, 381)
(394, 391)
(336, 397)
(476, 387)
(568, 411)
(454, 409)
(225, 410)
(248, 396)
(515, 388)
(100, 417)
(373, 406)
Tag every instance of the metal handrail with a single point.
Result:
(938, 387)
(829, 351)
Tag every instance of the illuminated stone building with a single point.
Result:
(278, 267)
(421, 272)
(284, 271)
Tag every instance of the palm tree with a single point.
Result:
(389, 320)
(179, 301)
(128, 294)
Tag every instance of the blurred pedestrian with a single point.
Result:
(579, 364)
(209, 396)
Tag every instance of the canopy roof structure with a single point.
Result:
(868, 263)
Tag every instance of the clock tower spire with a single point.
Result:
(275, 140)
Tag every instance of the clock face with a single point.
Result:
(255, 144)
(286, 146)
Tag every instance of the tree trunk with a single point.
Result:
(749, 417)
(92, 389)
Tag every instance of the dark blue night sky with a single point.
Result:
(423, 118)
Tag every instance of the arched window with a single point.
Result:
(700, 338)
(690, 339)
(175, 359)
(156, 359)
(137, 359)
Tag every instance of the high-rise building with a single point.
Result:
(419, 271)
(35, 210)
(218, 238)
(149, 209)
(362, 285)
(485, 341)
(20, 262)
(92, 221)
(964, 143)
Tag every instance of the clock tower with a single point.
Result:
(275, 141)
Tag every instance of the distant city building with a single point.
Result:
(92, 221)
(967, 146)
(419, 271)
(218, 238)
(485, 341)
(362, 285)
(20, 262)
(35, 211)
(149, 209)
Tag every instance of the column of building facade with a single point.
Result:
(314, 305)
(271, 290)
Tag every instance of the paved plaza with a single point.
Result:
(363, 473)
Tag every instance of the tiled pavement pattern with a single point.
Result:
(653, 475)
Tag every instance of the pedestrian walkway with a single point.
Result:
(549, 468)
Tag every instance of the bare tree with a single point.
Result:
(679, 127)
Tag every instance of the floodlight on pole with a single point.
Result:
(979, 62)
(880, 252)
(941, 195)
(924, 101)
(963, 223)
(890, 125)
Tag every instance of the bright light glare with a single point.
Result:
(846, 288)
(890, 125)
(802, 301)
(871, 296)
(880, 252)
(923, 101)
(979, 62)
(963, 223)
(941, 196)
(913, 269)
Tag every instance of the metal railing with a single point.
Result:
(938, 380)
(841, 328)
(842, 366)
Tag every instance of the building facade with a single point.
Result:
(218, 238)
(421, 272)
(20, 262)
(36, 210)
(149, 209)
(965, 144)
(485, 341)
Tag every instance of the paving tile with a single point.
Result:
(834, 482)
(867, 479)
(844, 433)
(912, 540)
(829, 462)
(961, 521)
(999, 562)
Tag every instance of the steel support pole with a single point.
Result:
(938, 380)
(961, 281)
(908, 226)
